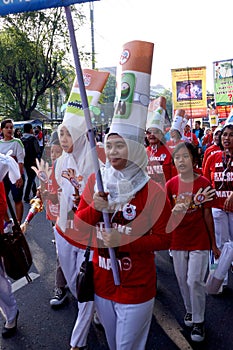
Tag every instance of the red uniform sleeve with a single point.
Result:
(3, 205)
(86, 214)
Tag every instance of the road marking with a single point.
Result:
(23, 281)
(170, 326)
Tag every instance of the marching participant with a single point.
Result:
(138, 211)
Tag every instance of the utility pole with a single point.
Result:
(92, 34)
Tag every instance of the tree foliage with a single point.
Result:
(34, 47)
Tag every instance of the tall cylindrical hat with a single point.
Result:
(133, 90)
(156, 114)
(178, 121)
(94, 82)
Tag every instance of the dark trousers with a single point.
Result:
(31, 184)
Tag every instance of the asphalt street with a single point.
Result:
(41, 327)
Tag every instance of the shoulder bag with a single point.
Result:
(85, 281)
(15, 251)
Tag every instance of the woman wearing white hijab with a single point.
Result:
(139, 211)
(70, 243)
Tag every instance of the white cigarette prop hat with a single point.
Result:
(133, 90)
(74, 118)
(178, 121)
(156, 114)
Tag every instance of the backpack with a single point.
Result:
(31, 151)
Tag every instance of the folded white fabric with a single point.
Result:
(10, 166)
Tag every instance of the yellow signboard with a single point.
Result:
(189, 91)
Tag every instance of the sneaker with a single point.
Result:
(188, 319)
(60, 294)
(198, 332)
(8, 226)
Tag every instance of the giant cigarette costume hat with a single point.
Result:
(133, 90)
(156, 114)
(94, 82)
(74, 121)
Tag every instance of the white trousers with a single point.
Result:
(71, 258)
(190, 269)
(223, 226)
(126, 325)
(8, 304)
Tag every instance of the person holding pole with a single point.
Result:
(68, 180)
(137, 207)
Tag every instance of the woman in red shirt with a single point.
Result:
(219, 170)
(193, 235)
(138, 211)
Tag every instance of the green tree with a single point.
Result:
(34, 47)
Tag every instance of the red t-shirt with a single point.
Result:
(190, 232)
(172, 145)
(159, 166)
(142, 223)
(210, 150)
(192, 138)
(213, 170)
(3, 206)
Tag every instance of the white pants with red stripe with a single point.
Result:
(126, 325)
(71, 258)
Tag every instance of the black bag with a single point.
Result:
(15, 251)
(85, 282)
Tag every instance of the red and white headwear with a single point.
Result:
(179, 121)
(156, 114)
(133, 90)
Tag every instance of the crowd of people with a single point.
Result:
(136, 177)
(142, 190)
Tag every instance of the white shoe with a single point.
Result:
(8, 226)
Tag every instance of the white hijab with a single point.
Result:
(80, 160)
(122, 185)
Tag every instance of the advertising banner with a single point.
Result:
(189, 91)
(16, 6)
(223, 82)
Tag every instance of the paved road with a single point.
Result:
(40, 327)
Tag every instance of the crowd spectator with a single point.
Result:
(219, 170)
(18, 133)
(32, 152)
(8, 304)
(15, 145)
